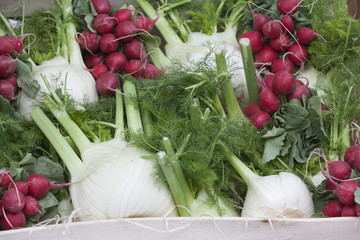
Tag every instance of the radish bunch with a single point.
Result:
(339, 182)
(8, 77)
(278, 49)
(115, 47)
(20, 199)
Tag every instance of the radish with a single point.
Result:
(357, 161)
(13, 200)
(107, 83)
(31, 206)
(283, 83)
(12, 220)
(7, 66)
(299, 91)
(305, 35)
(350, 153)
(348, 211)
(92, 60)
(268, 78)
(282, 64)
(288, 7)
(7, 90)
(345, 191)
(102, 6)
(251, 109)
(6, 45)
(259, 20)
(333, 208)
(330, 186)
(151, 71)
(298, 54)
(126, 31)
(288, 23)
(144, 23)
(39, 185)
(134, 67)
(1, 210)
(89, 40)
(116, 61)
(21, 186)
(268, 100)
(13, 80)
(281, 43)
(17, 43)
(5, 179)
(103, 23)
(265, 56)
(272, 29)
(357, 209)
(260, 118)
(256, 40)
(134, 49)
(123, 15)
(108, 43)
(98, 70)
(340, 170)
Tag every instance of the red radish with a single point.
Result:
(107, 83)
(21, 186)
(324, 108)
(92, 60)
(288, 23)
(259, 119)
(134, 49)
(339, 170)
(116, 61)
(299, 91)
(7, 66)
(298, 54)
(281, 43)
(39, 185)
(357, 161)
(144, 23)
(345, 191)
(12, 220)
(102, 6)
(350, 153)
(7, 90)
(6, 45)
(13, 80)
(103, 23)
(305, 35)
(31, 206)
(17, 43)
(330, 186)
(265, 56)
(251, 109)
(333, 208)
(268, 100)
(281, 64)
(288, 7)
(256, 40)
(13, 200)
(108, 43)
(98, 70)
(123, 15)
(348, 211)
(283, 83)
(89, 40)
(357, 209)
(271, 29)
(5, 179)
(1, 210)
(126, 31)
(134, 67)
(151, 71)
(259, 20)
(268, 78)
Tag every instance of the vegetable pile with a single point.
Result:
(227, 108)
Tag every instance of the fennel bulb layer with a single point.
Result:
(283, 195)
(118, 183)
(198, 47)
(73, 79)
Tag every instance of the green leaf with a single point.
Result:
(5, 106)
(28, 159)
(53, 171)
(48, 201)
(273, 147)
(25, 80)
